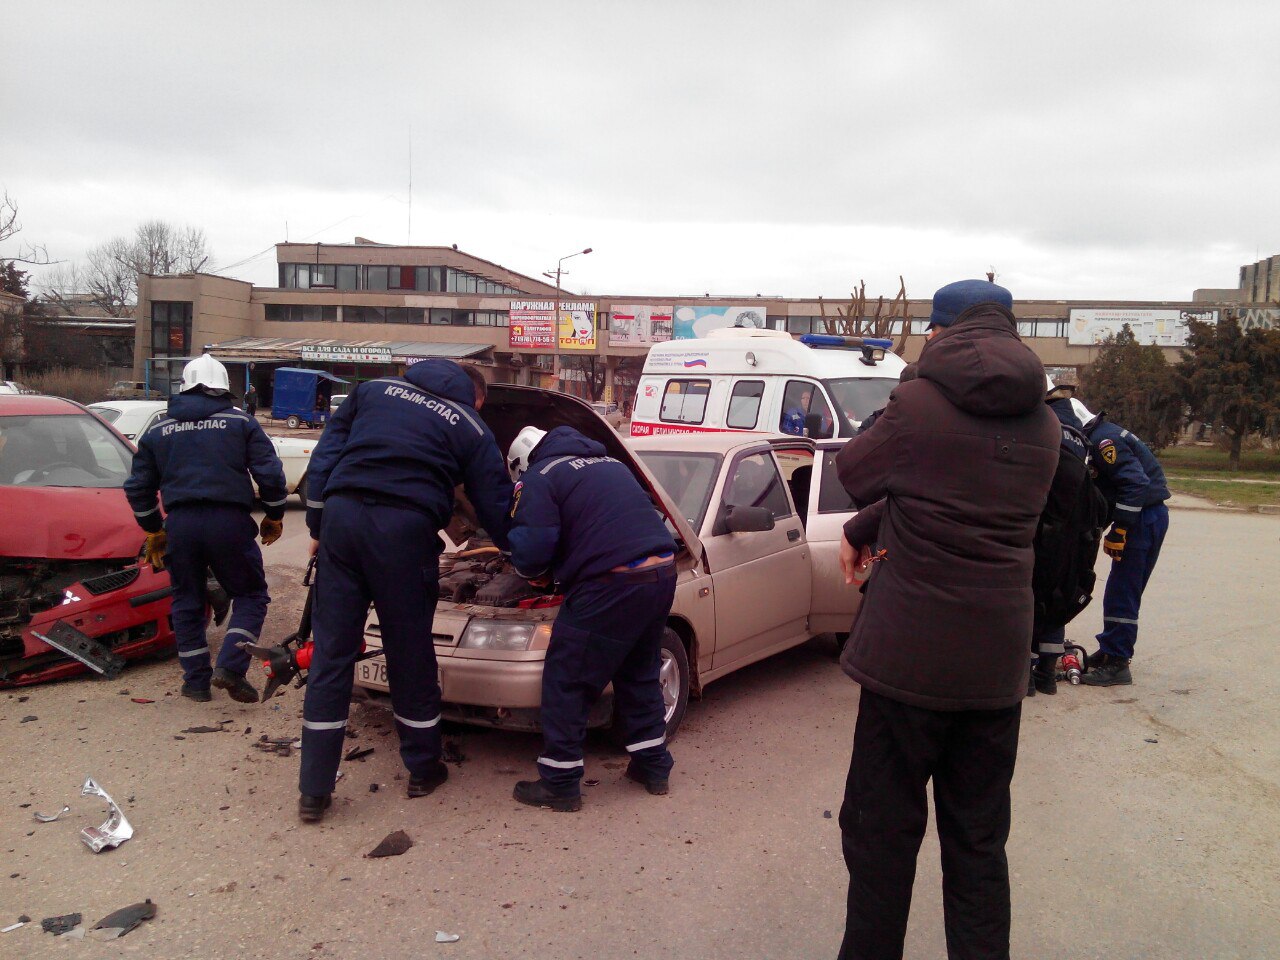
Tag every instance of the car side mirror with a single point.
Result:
(746, 519)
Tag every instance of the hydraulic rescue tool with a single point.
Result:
(292, 657)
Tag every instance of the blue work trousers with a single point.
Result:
(387, 555)
(610, 628)
(221, 538)
(1127, 580)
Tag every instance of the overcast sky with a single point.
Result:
(1083, 149)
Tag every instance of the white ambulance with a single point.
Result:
(765, 381)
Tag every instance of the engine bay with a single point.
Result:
(479, 574)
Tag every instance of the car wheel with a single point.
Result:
(302, 490)
(673, 674)
(841, 639)
(293, 423)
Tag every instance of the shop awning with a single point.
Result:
(255, 349)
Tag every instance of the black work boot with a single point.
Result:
(658, 786)
(536, 793)
(1095, 659)
(198, 694)
(1044, 675)
(1031, 682)
(311, 809)
(237, 687)
(421, 786)
(1112, 672)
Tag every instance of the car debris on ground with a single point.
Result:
(59, 926)
(21, 922)
(50, 817)
(120, 922)
(115, 831)
(392, 845)
(442, 937)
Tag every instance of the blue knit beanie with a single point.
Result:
(955, 298)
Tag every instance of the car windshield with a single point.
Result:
(75, 450)
(109, 414)
(687, 478)
(859, 397)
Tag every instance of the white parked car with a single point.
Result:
(13, 388)
(133, 418)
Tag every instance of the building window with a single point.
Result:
(322, 274)
(375, 278)
(404, 315)
(348, 278)
(429, 279)
(170, 328)
(491, 318)
(400, 278)
(799, 324)
(300, 312)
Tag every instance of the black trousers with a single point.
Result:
(969, 755)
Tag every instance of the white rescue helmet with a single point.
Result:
(1083, 413)
(1057, 391)
(521, 447)
(205, 372)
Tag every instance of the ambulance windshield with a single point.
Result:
(859, 397)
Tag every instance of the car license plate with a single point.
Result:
(373, 672)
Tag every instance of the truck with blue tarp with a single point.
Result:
(301, 397)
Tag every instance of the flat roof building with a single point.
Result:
(362, 310)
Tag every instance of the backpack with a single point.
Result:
(1068, 536)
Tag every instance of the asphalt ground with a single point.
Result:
(1146, 818)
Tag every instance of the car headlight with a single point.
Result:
(505, 635)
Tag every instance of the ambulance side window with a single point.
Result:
(744, 404)
(685, 401)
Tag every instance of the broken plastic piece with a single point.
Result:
(442, 937)
(22, 922)
(120, 922)
(98, 658)
(60, 925)
(114, 832)
(50, 817)
(358, 753)
(392, 845)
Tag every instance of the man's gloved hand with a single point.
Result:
(270, 530)
(1113, 543)
(153, 549)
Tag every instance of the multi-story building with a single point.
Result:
(363, 310)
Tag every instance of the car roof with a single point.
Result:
(127, 405)
(27, 405)
(721, 442)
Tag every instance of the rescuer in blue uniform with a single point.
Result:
(582, 518)
(380, 490)
(1133, 481)
(200, 459)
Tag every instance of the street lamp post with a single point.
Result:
(555, 318)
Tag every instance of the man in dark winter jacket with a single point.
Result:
(963, 457)
(1133, 482)
(380, 488)
(582, 518)
(199, 459)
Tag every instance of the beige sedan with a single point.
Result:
(757, 520)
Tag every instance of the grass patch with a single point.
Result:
(1256, 464)
(1228, 493)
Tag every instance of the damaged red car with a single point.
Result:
(73, 594)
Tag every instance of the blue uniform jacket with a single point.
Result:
(579, 513)
(411, 440)
(1129, 475)
(204, 451)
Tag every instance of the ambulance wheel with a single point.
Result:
(293, 423)
(673, 674)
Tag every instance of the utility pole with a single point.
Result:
(555, 317)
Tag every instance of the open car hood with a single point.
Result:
(67, 523)
(509, 409)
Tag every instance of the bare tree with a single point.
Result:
(109, 276)
(856, 320)
(592, 366)
(11, 226)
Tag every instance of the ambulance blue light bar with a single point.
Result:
(830, 340)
